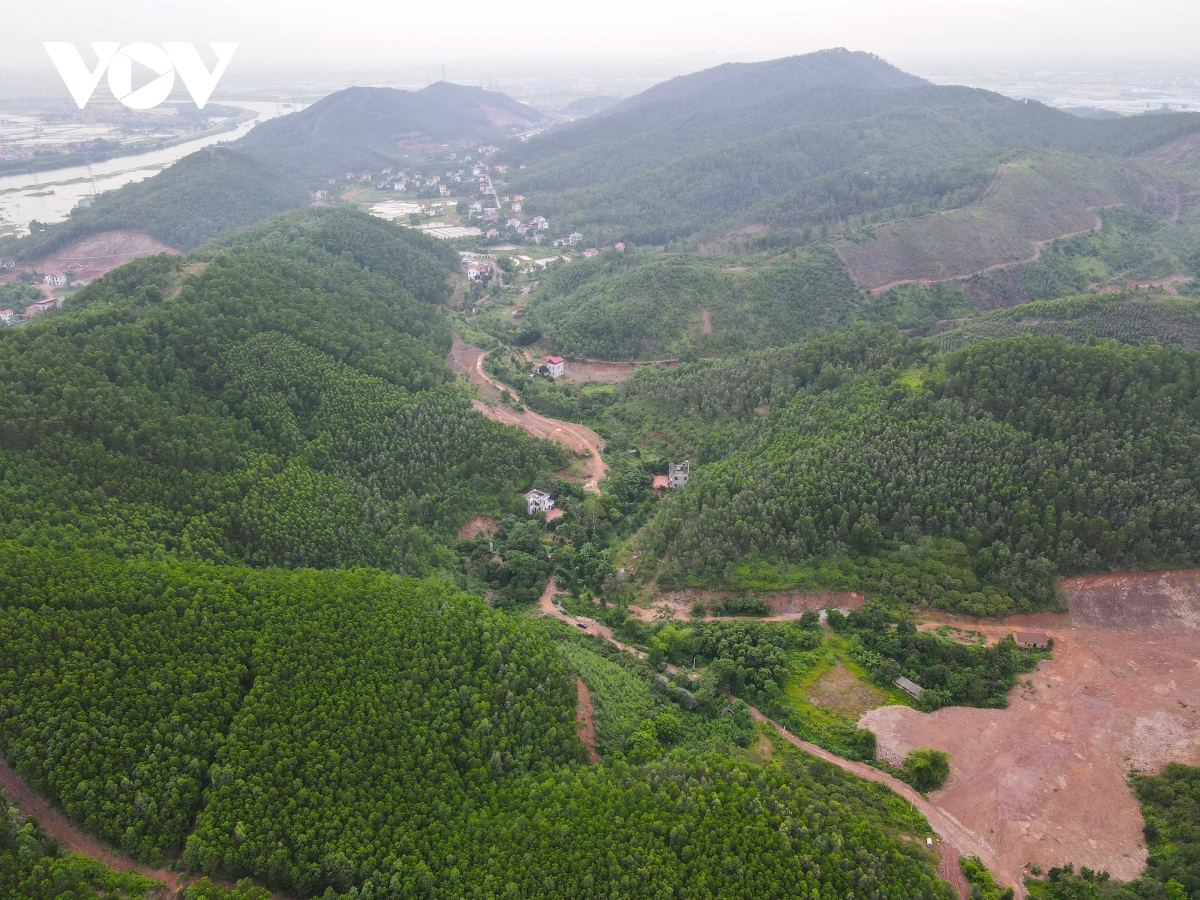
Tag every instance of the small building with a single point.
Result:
(556, 365)
(574, 238)
(6, 316)
(909, 687)
(1030, 640)
(40, 306)
(85, 203)
(516, 206)
(590, 252)
(538, 501)
(677, 473)
(476, 207)
(620, 245)
(56, 279)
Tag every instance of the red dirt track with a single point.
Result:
(74, 839)
(1044, 781)
(468, 360)
(585, 719)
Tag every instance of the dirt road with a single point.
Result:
(585, 720)
(55, 824)
(549, 607)
(962, 841)
(466, 359)
(1038, 247)
(944, 825)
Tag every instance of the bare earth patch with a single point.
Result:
(785, 605)
(840, 691)
(485, 525)
(585, 719)
(99, 254)
(1044, 781)
(705, 321)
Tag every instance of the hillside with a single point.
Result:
(1131, 318)
(821, 141)
(619, 307)
(857, 460)
(280, 401)
(270, 169)
(352, 731)
(1033, 200)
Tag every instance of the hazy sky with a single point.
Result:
(912, 33)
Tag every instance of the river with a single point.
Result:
(50, 195)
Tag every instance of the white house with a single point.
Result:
(57, 279)
(575, 238)
(556, 365)
(677, 474)
(538, 501)
(6, 316)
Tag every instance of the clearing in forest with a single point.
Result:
(1044, 781)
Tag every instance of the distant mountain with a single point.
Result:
(587, 106)
(220, 189)
(814, 142)
(371, 125)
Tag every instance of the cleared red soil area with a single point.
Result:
(1132, 600)
(485, 525)
(466, 359)
(1044, 781)
(585, 722)
(99, 254)
(784, 606)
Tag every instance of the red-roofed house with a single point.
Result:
(557, 365)
(6, 316)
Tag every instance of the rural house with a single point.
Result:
(6, 316)
(555, 365)
(56, 279)
(909, 687)
(677, 473)
(1031, 640)
(538, 501)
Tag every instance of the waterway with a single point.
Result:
(49, 196)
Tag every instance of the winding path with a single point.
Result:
(56, 825)
(957, 840)
(467, 359)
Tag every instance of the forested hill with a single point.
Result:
(363, 127)
(858, 460)
(280, 401)
(806, 142)
(220, 189)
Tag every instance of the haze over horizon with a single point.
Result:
(361, 33)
